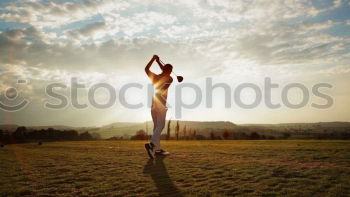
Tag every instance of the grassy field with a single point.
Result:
(195, 168)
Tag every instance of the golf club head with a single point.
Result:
(180, 78)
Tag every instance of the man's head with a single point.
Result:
(167, 69)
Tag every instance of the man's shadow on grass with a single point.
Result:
(158, 172)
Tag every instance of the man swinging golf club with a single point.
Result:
(161, 84)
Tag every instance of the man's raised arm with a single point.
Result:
(159, 63)
(147, 68)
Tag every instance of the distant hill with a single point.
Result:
(299, 130)
(296, 125)
(59, 127)
(127, 129)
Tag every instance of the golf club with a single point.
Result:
(179, 78)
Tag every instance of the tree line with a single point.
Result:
(22, 134)
(242, 133)
(191, 134)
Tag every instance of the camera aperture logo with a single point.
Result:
(12, 94)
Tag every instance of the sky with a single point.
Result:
(232, 42)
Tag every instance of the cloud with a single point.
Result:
(121, 55)
(55, 14)
(284, 43)
(135, 16)
(113, 24)
(337, 4)
(259, 10)
(336, 70)
(95, 31)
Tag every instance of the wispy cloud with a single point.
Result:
(54, 14)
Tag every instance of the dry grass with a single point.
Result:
(195, 168)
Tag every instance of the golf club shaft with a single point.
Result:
(164, 64)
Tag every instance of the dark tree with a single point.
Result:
(168, 130)
(254, 136)
(85, 136)
(184, 132)
(177, 130)
(286, 135)
(19, 134)
(225, 134)
(140, 135)
(212, 135)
